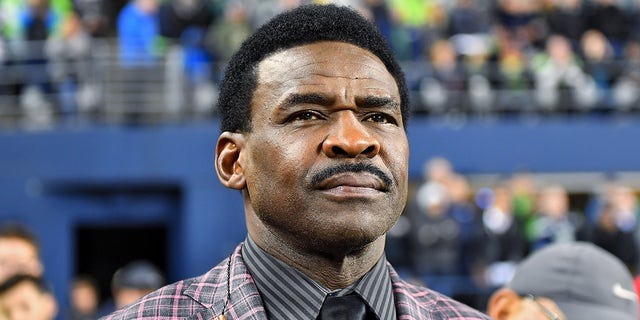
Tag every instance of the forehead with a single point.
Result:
(25, 291)
(324, 59)
(16, 246)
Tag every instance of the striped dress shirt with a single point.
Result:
(290, 294)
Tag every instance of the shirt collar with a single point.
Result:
(289, 294)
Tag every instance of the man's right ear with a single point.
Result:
(502, 304)
(229, 160)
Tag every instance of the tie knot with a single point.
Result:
(348, 307)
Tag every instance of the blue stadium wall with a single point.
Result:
(49, 178)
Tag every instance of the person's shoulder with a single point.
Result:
(434, 304)
(174, 301)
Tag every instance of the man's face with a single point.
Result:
(126, 296)
(18, 256)
(538, 309)
(26, 302)
(326, 161)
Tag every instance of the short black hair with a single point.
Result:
(18, 279)
(15, 230)
(303, 25)
(139, 274)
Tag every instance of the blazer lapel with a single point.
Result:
(240, 299)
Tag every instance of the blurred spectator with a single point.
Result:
(627, 88)
(26, 297)
(131, 282)
(616, 226)
(438, 169)
(434, 239)
(379, 13)
(474, 51)
(176, 16)
(559, 77)
(84, 299)
(138, 33)
(512, 78)
(70, 63)
(601, 65)
(226, 34)
(186, 23)
(554, 221)
(19, 252)
(634, 13)
(522, 21)
(567, 18)
(39, 21)
(612, 20)
(468, 17)
(95, 15)
(418, 21)
(443, 87)
(524, 190)
(502, 243)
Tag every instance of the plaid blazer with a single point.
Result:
(206, 296)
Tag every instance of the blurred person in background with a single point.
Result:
(524, 192)
(95, 16)
(567, 281)
(69, 69)
(521, 21)
(616, 226)
(560, 83)
(501, 242)
(554, 222)
(19, 251)
(132, 281)
(84, 299)
(186, 23)
(434, 239)
(443, 86)
(26, 297)
(600, 62)
(611, 18)
(40, 20)
(139, 33)
(568, 19)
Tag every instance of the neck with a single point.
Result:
(333, 268)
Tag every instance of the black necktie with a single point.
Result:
(349, 307)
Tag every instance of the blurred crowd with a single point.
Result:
(466, 242)
(460, 57)
(26, 294)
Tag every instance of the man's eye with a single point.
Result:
(304, 115)
(380, 118)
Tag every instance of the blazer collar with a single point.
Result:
(238, 297)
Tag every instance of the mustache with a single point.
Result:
(351, 167)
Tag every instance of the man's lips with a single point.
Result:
(353, 180)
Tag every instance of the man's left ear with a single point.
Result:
(229, 160)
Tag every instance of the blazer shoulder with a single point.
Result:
(178, 300)
(424, 303)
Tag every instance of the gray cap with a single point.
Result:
(138, 275)
(585, 281)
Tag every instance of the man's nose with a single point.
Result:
(349, 137)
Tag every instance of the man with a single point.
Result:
(575, 280)
(133, 281)
(19, 252)
(25, 297)
(314, 110)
